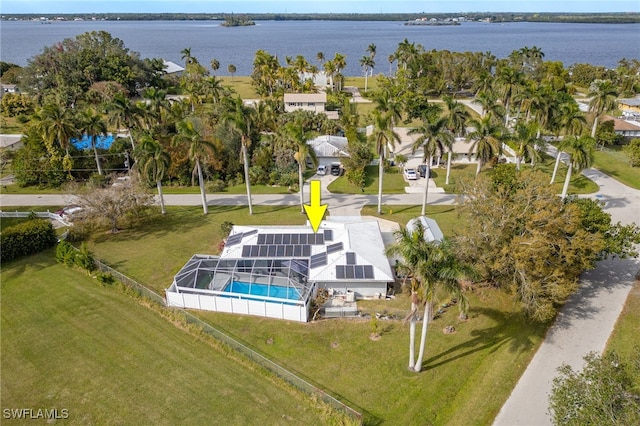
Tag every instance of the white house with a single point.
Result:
(329, 148)
(314, 102)
(276, 271)
(172, 68)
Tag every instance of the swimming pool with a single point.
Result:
(102, 142)
(264, 290)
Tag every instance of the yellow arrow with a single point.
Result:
(315, 212)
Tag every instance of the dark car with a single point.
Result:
(336, 169)
(422, 170)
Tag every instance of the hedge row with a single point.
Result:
(26, 238)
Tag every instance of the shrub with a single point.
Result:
(225, 227)
(217, 185)
(105, 278)
(65, 253)
(26, 238)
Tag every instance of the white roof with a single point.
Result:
(172, 67)
(329, 146)
(305, 97)
(361, 239)
(9, 140)
(431, 229)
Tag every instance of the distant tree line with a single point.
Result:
(494, 17)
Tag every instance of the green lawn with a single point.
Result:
(70, 343)
(242, 85)
(624, 339)
(236, 189)
(467, 377)
(393, 183)
(448, 220)
(614, 162)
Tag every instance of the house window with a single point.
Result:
(311, 104)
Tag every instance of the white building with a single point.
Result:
(329, 148)
(314, 102)
(276, 271)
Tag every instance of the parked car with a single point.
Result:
(410, 174)
(336, 169)
(322, 170)
(422, 171)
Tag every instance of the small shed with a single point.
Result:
(431, 229)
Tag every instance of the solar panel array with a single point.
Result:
(277, 250)
(328, 234)
(312, 239)
(354, 271)
(234, 239)
(351, 258)
(319, 259)
(332, 248)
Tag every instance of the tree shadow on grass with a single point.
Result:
(510, 329)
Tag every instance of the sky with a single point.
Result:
(310, 6)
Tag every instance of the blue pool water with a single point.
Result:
(263, 290)
(102, 142)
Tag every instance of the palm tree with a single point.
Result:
(215, 65)
(432, 267)
(580, 152)
(383, 135)
(371, 50)
(153, 162)
(509, 81)
(570, 120)
(434, 137)
(527, 143)
(340, 62)
(457, 118)
(92, 125)
(603, 95)
(191, 131)
(367, 64)
(232, 70)
(56, 124)
(122, 113)
(186, 55)
(295, 134)
(242, 119)
(487, 140)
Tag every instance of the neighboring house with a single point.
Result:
(276, 271)
(11, 142)
(631, 105)
(171, 68)
(8, 88)
(319, 79)
(625, 128)
(314, 102)
(329, 148)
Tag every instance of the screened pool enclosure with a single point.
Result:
(276, 288)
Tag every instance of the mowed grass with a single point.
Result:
(624, 339)
(614, 162)
(448, 219)
(392, 183)
(70, 343)
(236, 189)
(467, 375)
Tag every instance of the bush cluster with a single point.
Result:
(26, 238)
(67, 254)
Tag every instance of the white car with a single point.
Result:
(410, 174)
(322, 170)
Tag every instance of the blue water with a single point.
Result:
(102, 142)
(596, 44)
(263, 290)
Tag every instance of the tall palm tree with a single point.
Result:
(603, 95)
(527, 143)
(122, 113)
(434, 137)
(186, 55)
(367, 64)
(383, 135)
(580, 152)
(371, 50)
(433, 268)
(570, 121)
(215, 65)
(487, 140)
(457, 118)
(92, 125)
(242, 119)
(295, 134)
(153, 163)
(191, 131)
(56, 125)
(340, 62)
(509, 81)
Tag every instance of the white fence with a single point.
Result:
(231, 305)
(44, 215)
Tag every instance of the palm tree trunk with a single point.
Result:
(380, 175)
(412, 335)
(423, 336)
(366, 73)
(555, 167)
(159, 185)
(205, 208)
(479, 166)
(95, 151)
(565, 188)
(426, 186)
(448, 167)
(518, 161)
(131, 139)
(246, 176)
(301, 184)
(595, 127)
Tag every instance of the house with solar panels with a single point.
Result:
(276, 271)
